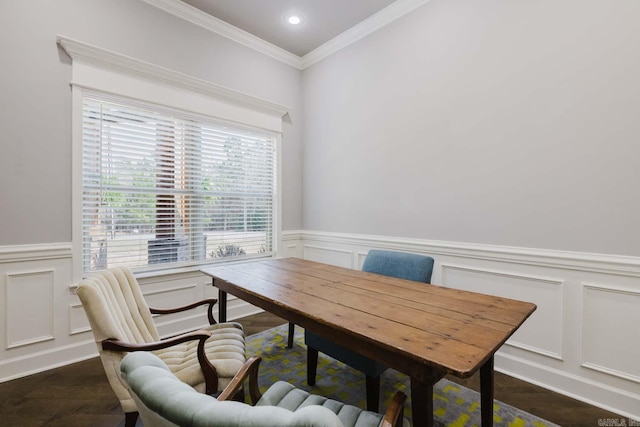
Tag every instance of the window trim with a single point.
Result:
(98, 69)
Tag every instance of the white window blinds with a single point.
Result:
(167, 187)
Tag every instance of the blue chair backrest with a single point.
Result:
(399, 264)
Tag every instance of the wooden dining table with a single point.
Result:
(423, 330)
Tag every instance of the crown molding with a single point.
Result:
(218, 26)
(107, 59)
(374, 22)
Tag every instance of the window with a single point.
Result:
(162, 186)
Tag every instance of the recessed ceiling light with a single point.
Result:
(294, 20)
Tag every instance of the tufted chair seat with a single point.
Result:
(122, 322)
(163, 401)
(226, 353)
(284, 395)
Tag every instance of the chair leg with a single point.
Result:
(312, 365)
(373, 393)
(291, 332)
(130, 419)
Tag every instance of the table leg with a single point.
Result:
(373, 393)
(312, 365)
(486, 393)
(421, 403)
(292, 331)
(222, 304)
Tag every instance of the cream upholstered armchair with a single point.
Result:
(122, 322)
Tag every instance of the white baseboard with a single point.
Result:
(37, 362)
(612, 399)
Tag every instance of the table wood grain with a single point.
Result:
(420, 329)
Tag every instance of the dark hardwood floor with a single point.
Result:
(79, 395)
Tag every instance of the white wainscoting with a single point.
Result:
(42, 322)
(34, 299)
(582, 341)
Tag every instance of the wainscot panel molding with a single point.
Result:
(43, 324)
(341, 258)
(582, 339)
(540, 333)
(607, 312)
(29, 307)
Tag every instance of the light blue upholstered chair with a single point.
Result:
(417, 268)
(163, 400)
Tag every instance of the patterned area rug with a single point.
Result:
(454, 405)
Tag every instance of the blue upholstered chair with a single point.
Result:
(417, 268)
(163, 400)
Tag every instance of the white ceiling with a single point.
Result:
(323, 19)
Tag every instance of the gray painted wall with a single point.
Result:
(35, 106)
(499, 122)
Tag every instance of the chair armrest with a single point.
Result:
(395, 412)
(249, 369)
(117, 345)
(210, 301)
(208, 370)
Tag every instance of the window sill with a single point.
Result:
(156, 271)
